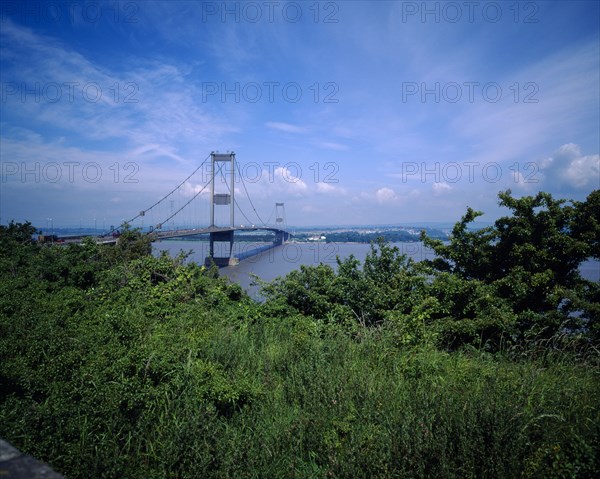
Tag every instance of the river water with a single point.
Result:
(281, 260)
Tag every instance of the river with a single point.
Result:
(281, 260)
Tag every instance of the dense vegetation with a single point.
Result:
(389, 234)
(482, 363)
(360, 237)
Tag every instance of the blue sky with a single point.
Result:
(349, 112)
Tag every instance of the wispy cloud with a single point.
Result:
(285, 127)
(332, 145)
(149, 104)
(541, 102)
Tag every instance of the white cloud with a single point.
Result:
(188, 190)
(328, 188)
(568, 169)
(277, 183)
(385, 195)
(287, 181)
(286, 127)
(440, 188)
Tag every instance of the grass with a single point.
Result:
(207, 394)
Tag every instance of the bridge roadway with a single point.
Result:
(210, 229)
(217, 233)
(225, 234)
(158, 235)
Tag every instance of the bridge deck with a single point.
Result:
(158, 235)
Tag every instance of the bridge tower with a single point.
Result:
(217, 160)
(281, 222)
(280, 215)
(224, 233)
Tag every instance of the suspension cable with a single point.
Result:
(235, 201)
(271, 215)
(248, 196)
(191, 199)
(143, 212)
(241, 211)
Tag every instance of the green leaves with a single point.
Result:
(387, 281)
(529, 259)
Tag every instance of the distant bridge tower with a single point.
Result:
(218, 161)
(281, 222)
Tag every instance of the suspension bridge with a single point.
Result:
(222, 203)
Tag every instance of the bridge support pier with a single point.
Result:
(281, 237)
(221, 261)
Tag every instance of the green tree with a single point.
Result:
(586, 223)
(531, 258)
(131, 244)
(16, 247)
(386, 281)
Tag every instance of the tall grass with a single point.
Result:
(207, 396)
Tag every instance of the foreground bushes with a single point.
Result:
(115, 364)
(206, 396)
(160, 371)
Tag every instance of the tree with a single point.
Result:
(131, 244)
(17, 232)
(531, 258)
(387, 281)
(16, 247)
(586, 224)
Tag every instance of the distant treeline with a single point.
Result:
(394, 236)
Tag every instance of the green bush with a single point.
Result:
(116, 364)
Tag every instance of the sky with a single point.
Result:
(348, 112)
